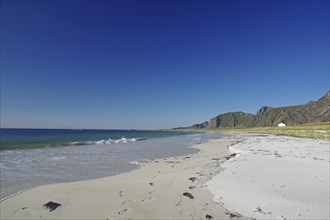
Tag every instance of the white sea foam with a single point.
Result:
(117, 141)
(276, 178)
(57, 158)
(107, 141)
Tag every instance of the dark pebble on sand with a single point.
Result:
(188, 195)
(209, 217)
(52, 206)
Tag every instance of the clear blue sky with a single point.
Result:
(157, 64)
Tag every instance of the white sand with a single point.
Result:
(276, 177)
(161, 189)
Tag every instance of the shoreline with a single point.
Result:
(27, 169)
(238, 176)
(178, 182)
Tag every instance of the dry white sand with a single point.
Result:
(276, 177)
(161, 189)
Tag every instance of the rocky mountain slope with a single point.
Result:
(312, 112)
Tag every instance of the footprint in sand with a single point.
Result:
(123, 211)
(193, 179)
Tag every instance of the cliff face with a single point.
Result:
(264, 109)
(233, 119)
(277, 115)
(312, 112)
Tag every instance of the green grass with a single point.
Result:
(320, 130)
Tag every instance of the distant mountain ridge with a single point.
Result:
(312, 112)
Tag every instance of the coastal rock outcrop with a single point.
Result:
(312, 112)
(264, 109)
(233, 119)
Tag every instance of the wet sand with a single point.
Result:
(161, 189)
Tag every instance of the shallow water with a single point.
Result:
(24, 169)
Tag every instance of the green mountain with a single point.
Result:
(312, 112)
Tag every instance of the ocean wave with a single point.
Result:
(107, 141)
(117, 141)
(57, 158)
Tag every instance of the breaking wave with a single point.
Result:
(107, 141)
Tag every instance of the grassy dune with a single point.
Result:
(321, 130)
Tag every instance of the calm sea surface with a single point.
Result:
(39, 138)
(34, 157)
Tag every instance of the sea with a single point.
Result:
(35, 157)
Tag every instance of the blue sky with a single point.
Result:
(157, 64)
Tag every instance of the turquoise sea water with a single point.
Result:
(39, 138)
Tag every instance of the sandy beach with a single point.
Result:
(169, 188)
(229, 178)
(276, 177)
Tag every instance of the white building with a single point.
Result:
(281, 125)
